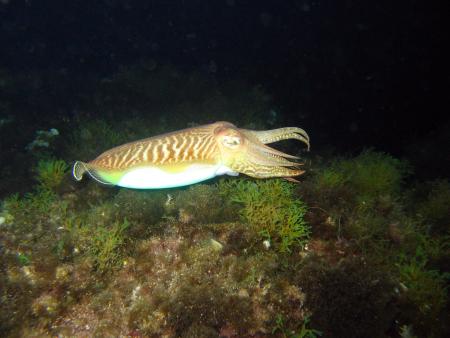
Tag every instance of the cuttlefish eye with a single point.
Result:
(231, 141)
(229, 138)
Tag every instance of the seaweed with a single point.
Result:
(434, 210)
(271, 208)
(106, 244)
(304, 332)
(423, 289)
(200, 204)
(50, 173)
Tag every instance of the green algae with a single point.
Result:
(435, 208)
(106, 243)
(139, 205)
(303, 332)
(200, 204)
(50, 173)
(271, 209)
(364, 204)
(424, 289)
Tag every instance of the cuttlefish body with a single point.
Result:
(193, 155)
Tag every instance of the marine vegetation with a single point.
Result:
(271, 209)
(106, 243)
(193, 155)
(199, 204)
(434, 209)
(364, 204)
(360, 196)
(50, 173)
(304, 332)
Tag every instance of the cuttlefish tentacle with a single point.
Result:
(280, 134)
(192, 155)
(261, 156)
(268, 171)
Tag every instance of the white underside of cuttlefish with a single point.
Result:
(193, 155)
(155, 178)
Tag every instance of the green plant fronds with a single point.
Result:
(201, 203)
(31, 208)
(435, 210)
(424, 287)
(372, 174)
(406, 331)
(330, 178)
(304, 332)
(434, 248)
(362, 179)
(106, 245)
(137, 206)
(271, 208)
(50, 173)
(23, 259)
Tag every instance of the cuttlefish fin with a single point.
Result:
(80, 168)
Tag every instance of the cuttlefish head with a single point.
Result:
(245, 151)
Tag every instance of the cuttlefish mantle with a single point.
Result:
(193, 155)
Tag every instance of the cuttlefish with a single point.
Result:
(193, 155)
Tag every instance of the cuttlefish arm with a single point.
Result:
(275, 135)
(193, 155)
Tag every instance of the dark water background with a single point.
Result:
(354, 74)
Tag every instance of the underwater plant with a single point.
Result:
(424, 290)
(106, 244)
(330, 179)
(31, 209)
(50, 173)
(199, 204)
(305, 331)
(435, 210)
(362, 179)
(373, 174)
(271, 208)
(137, 206)
(406, 331)
(360, 198)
